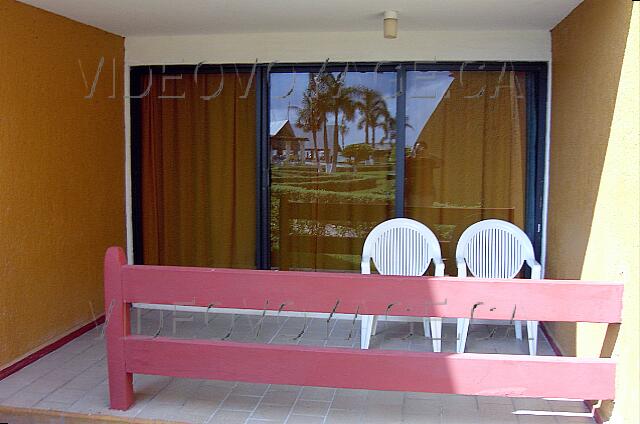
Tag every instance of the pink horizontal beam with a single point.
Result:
(542, 300)
(470, 374)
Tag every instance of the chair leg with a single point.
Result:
(436, 333)
(374, 326)
(427, 327)
(462, 331)
(532, 335)
(365, 333)
(518, 325)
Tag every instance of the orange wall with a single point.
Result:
(594, 187)
(61, 174)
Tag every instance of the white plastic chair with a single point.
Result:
(405, 247)
(495, 249)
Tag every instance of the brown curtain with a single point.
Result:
(198, 171)
(470, 157)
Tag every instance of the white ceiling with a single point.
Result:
(175, 17)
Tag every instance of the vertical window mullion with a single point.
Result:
(530, 191)
(540, 142)
(263, 260)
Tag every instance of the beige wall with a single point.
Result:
(593, 224)
(61, 174)
(299, 47)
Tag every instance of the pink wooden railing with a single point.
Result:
(467, 373)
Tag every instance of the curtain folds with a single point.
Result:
(198, 171)
(470, 157)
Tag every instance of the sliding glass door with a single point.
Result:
(289, 167)
(332, 142)
(196, 170)
(465, 151)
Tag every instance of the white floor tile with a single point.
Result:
(74, 378)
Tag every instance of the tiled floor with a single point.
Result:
(73, 379)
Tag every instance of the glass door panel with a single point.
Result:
(197, 171)
(465, 151)
(332, 141)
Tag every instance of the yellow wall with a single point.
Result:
(61, 174)
(594, 230)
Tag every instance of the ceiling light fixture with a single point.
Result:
(390, 24)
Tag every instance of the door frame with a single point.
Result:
(537, 136)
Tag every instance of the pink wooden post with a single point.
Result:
(117, 328)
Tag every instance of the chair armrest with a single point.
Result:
(536, 269)
(462, 267)
(439, 264)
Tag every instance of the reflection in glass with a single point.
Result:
(465, 151)
(332, 136)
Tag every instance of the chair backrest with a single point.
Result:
(400, 246)
(494, 249)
